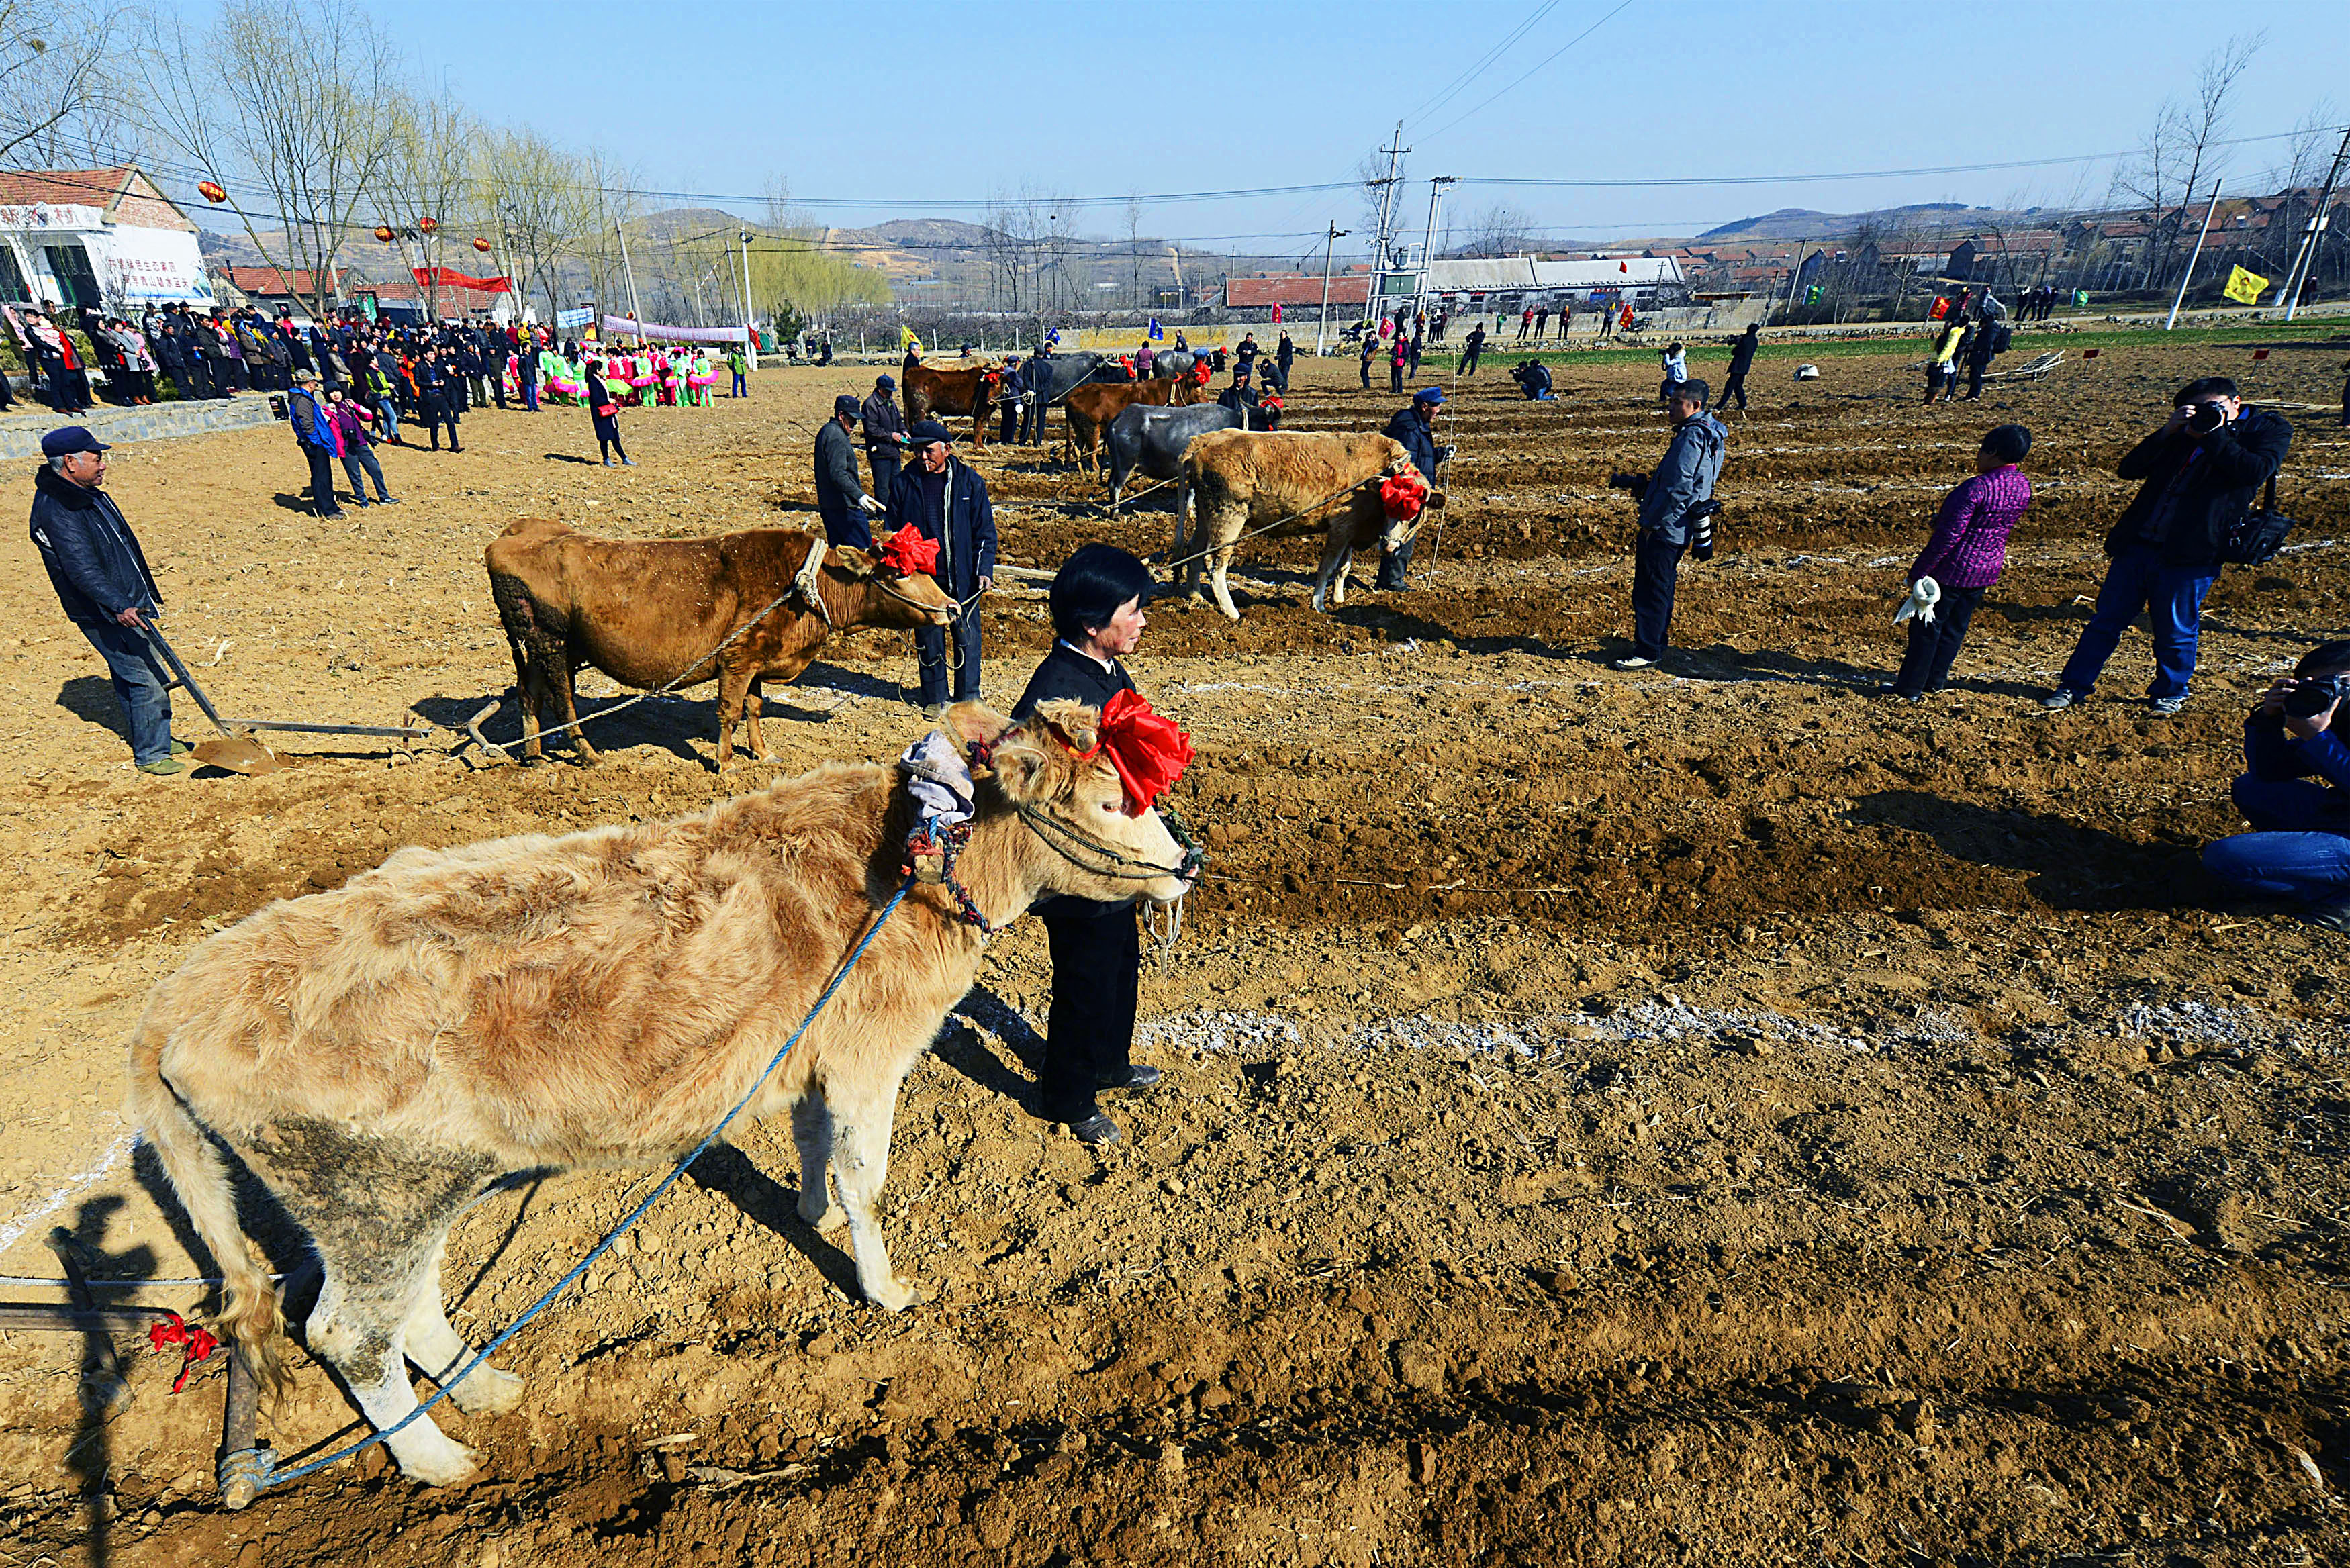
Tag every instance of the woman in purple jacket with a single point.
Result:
(1965, 556)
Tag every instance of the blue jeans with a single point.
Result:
(2172, 597)
(530, 396)
(741, 388)
(2288, 854)
(390, 412)
(138, 683)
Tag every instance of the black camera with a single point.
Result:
(2205, 418)
(2316, 696)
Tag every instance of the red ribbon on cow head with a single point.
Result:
(908, 551)
(1148, 749)
(1199, 373)
(1403, 493)
(993, 378)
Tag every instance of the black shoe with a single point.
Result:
(1135, 1077)
(1096, 1129)
(2334, 917)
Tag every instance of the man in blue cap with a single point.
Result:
(946, 500)
(103, 580)
(1415, 427)
(840, 501)
(885, 433)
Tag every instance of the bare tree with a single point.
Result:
(1500, 230)
(59, 102)
(531, 187)
(287, 99)
(2182, 151)
(427, 193)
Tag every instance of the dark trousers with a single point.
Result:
(1366, 375)
(1394, 376)
(2172, 598)
(1975, 369)
(322, 479)
(530, 397)
(1733, 387)
(607, 437)
(1010, 410)
(1926, 666)
(359, 461)
(884, 473)
(1656, 568)
(1097, 971)
(1469, 360)
(2299, 846)
(197, 379)
(931, 653)
(741, 386)
(140, 683)
(1394, 564)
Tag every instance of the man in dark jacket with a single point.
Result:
(1008, 394)
(1741, 360)
(1097, 604)
(1670, 499)
(1415, 427)
(884, 434)
(314, 432)
(103, 581)
(947, 501)
(172, 355)
(1980, 351)
(1472, 350)
(2200, 471)
(2294, 791)
(840, 500)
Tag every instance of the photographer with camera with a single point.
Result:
(2299, 847)
(2200, 470)
(1677, 512)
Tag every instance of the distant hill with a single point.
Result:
(1803, 222)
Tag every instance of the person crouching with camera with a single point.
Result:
(2200, 471)
(2299, 847)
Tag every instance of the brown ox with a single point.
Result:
(379, 1054)
(1246, 480)
(972, 391)
(1090, 407)
(648, 612)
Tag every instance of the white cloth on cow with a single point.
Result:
(1924, 594)
(940, 781)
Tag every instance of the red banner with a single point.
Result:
(428, 275)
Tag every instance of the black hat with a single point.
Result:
(845, 404)
(70, 440)
(887, 383)
(929, 431)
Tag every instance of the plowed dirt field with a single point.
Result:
(1706, 1116)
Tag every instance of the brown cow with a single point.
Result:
(648, 612)
(378, 1055)
(1244, 479)
(1090, 407)
(972, 391)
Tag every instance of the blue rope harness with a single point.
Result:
(257, 1467)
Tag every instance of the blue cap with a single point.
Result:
(1429, 395)
(887, 383)
(70, 440)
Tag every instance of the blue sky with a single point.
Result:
(899, 107)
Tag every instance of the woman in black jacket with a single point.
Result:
(1097, 601)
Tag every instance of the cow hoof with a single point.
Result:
(451, 1464)
(831, 1217)
(487, 1391)
(897, 1296)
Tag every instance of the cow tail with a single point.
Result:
(250, 1313)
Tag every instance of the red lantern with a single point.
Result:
(481, 244)
(427, 225)
(211, 190)
(383, 233)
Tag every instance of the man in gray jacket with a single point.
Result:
(1681, 483)
(840, 500)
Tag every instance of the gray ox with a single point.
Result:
(1150, 440)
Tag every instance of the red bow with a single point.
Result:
(195, 1344)
(908, 551)
(1148, 749)
(1199, 373)
(1403, 493)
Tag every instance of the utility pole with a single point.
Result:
(1381, 255)
(750, 328)
(1329, 242)
(2298, 277)
(634, 309)
(1428, 246)
(2193, 257)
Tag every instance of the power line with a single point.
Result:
(1490, 55)
(1545, 60)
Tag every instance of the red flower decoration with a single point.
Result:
(195, 1344)
(908, 551)
(1403, 494)
(1148, 749)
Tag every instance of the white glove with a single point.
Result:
(1924, 594)
(870, 505)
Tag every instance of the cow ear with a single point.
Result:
(974, 724)
(850, 559)
(1078, 725)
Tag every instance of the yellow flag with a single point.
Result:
(2244, 287)
(906, 334)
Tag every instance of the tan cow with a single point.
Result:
(1241, 480)
(929, 391)
(1090, 407)
(648, 611)
(376, 1057)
